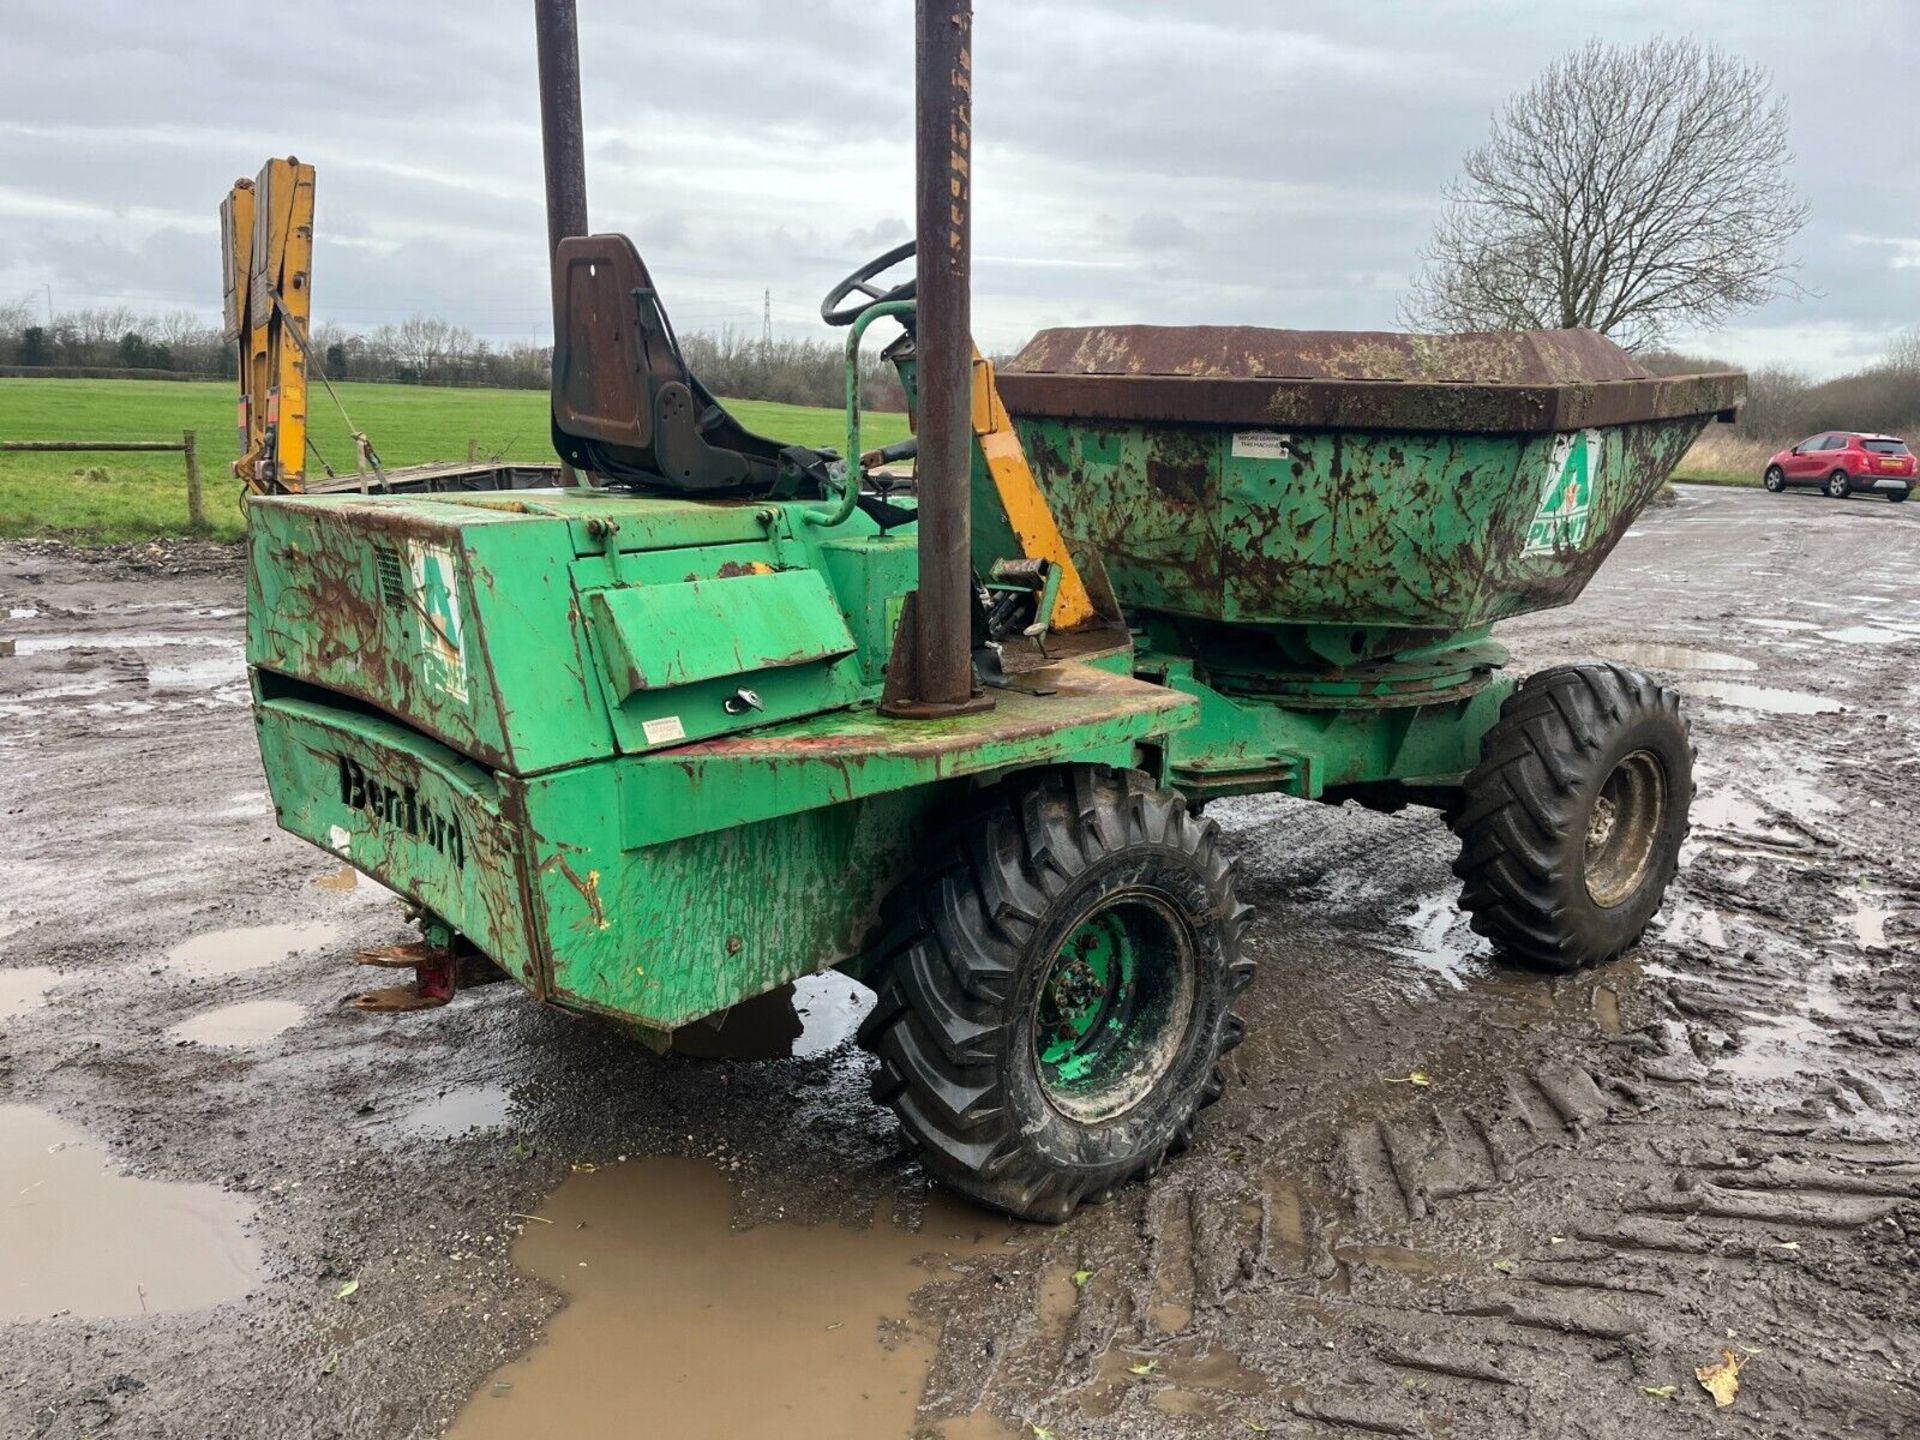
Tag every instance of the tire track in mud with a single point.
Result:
(1606, 1174)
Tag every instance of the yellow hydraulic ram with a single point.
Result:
(266, 240)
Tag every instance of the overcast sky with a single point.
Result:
(1250, 161)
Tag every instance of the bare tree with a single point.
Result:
(1903, 355)
(1631, 189)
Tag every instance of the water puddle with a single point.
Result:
(1182, 1380)
(1869, 921)
(1442, 940)
(1403, 1260)
(458, 1112)
(1674, 657)
(50, 644)
(240, 1026)
(250, 947)
(813, 1015)
(678, 1324)
(1760, 697)
(78, 1237)
(1863, 635)
(357, 889)
(25, 989)
(1690, 920)
(213, 674)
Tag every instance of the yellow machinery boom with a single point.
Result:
(266, 237)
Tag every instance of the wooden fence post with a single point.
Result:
(196, 508)
(473, 452)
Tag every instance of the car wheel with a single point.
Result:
(1838, 485)
(1898, 495)
(1776, 480)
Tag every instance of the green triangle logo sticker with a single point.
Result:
(1566, 501)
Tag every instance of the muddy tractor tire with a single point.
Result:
(1056, 990)
(1570, 827)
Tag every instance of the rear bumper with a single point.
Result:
(1883, 482)
(417, 817)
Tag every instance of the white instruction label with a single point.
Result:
(666, 728)
(1262, 445)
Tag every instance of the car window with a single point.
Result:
(1832, 442)
(1813, 442)
(1887, 447)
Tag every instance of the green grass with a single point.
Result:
(106, 497)
(1741, 478)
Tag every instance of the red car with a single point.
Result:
(1843, 461)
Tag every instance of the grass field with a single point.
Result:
(107, 497)
(1720, 458)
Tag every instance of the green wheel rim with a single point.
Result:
(1114, 1006)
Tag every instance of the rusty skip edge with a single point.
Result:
(1414, 406)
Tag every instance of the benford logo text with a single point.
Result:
(401, 807)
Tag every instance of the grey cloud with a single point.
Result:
(1220, 160)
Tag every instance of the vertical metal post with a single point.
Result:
(562, 136)
(562, 144)
(942, 650)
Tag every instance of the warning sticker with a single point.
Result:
(1262, 445)
(1566, 502)
(664, 730)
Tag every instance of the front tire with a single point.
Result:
(1056, 992)
(1570, 827)
(1776, 479)
(1839, 486)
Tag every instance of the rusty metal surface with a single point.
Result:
(451, 476)
(563, 146)
(938, 675)
(1246, 352)
(1519, 383)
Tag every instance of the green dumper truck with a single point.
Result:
(663, 741)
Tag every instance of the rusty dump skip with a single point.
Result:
(1528, 382)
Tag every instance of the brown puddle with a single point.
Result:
(253, 1023)
(78, 1237)
(679, 1325)
(250, 947)
(25, 989)
(1674, 657)
(1181, 1379)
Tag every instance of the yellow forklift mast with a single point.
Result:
(266, 240)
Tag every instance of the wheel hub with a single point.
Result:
(1114, 1007)
(1623, 828)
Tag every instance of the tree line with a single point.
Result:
(422, 350)
(1784, 404)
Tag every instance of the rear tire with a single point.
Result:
(1570, 828)
(1056, 992)
(1776, 479)
(1898, 495)
(1839, 486)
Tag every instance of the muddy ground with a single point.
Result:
(294, 1219)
